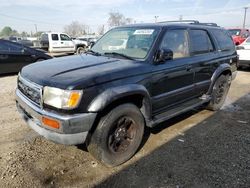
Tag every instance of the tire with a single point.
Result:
(80, 50)
(118, 135)
(219, 93)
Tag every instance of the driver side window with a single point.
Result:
(177, 41)
(64, 37)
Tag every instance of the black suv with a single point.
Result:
(134, 76)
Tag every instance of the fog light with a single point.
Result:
(51, 123)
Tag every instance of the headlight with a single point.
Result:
(63, 99)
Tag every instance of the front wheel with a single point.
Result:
(118, 135)
(219, 93)
(80, 50)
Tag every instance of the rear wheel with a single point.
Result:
(118, 135)
(219, 93)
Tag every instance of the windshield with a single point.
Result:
(132, 42)
(235, 32)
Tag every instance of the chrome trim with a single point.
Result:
(67, 122)
(34, 86)
(66, 139)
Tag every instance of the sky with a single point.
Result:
(53, 15)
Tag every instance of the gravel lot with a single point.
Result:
(198, 149)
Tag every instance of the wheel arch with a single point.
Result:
(135, 94)
(223, 69)
(81, 45)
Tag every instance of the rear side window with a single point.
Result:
(54, 37)
(200, 42)
(177, 41)
(224, 40)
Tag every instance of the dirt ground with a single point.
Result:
(197, 149)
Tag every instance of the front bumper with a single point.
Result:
(73, 128)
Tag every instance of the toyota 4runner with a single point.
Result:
(108, 95)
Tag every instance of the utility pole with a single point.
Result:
(35, 28)
(245, 15)
(181, 17)
(156, 17)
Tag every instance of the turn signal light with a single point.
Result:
(74, 99)
(51, 123)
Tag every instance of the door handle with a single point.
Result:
(61, 42)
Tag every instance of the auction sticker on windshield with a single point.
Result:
(144, 32)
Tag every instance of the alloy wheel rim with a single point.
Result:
(123, 135)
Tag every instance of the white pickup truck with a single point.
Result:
(55, 42)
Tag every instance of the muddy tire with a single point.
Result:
(118, 135)
(219, 93)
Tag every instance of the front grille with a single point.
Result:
(30, 90)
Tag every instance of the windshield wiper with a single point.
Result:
(92, 52)
(118, 54)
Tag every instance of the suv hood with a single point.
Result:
(78, 72)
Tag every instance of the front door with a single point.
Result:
(172, 81)
(66, 43)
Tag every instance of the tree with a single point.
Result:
(14, 33)
(118, 19)
(6, 31)
(100, 30)
(25, 34)
(38, 34)
(75, 29)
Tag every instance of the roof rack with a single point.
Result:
(196, 22)
(181, 21)
(209, 24)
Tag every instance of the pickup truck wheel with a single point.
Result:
(80, 50)
(219, 93)
(118, 135)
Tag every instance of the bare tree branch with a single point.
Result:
(118, 19)
(75, 29)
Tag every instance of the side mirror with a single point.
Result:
(92, 44)
(245, 35)
(24, 51)
(164, 55)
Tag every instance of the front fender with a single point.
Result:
(113, 94)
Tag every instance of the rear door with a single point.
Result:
(55, 43)
(204, 56)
